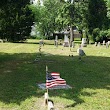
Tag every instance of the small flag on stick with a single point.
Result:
(53, 79)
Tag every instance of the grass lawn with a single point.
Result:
(19, 75)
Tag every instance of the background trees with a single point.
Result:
(96, 17)
(17, 17)
(16, 20)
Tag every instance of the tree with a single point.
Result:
(45, 16)
(108, 9)
(16, 20)
(96, 16)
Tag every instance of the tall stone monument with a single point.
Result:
(56, 41)
(66, 39)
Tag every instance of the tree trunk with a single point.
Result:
(71, 36)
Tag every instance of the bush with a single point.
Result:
(103, 35)
(108, 33)
(100, 35)
(96, 34)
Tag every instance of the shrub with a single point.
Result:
(96, 34)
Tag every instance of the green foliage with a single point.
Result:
(108, 9)
(45, 16)
(108, 33)
(16, 20)
(100, 35)
(108, 3)
(65, 15)
(96, 34)
(84, 34)
(96, 17)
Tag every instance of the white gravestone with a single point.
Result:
(66, 40)
(95, 43)
(99, 44)
(107, 45)
(103, 42)
(56, 41)
(108, 42)
(84, 42)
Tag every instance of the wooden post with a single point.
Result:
(48, 102)
(46, 94)
(46, 98)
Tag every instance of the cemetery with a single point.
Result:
(55, 55)
(86, 79)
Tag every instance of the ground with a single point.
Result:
(20, 74)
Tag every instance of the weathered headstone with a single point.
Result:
(80, 52)
(41, 42)
(71, 49)
(103, 42)
(84, 42)
(108, 42)
(99, 44)
(107, 45)
(95, 43)
(66, 39)
(56, 41)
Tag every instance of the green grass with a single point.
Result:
(19, 75)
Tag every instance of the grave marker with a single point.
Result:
(99, 44)
(108, 42)
(66, 39)
(84, 42)
(107, 45)
(80, 52)
(41, 42)
(95, 43)
(56, 41)
(103, 42)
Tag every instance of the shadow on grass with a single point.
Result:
(19, 75)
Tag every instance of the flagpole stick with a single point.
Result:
(47, 88)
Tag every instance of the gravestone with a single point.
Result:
(107, 45)
(103, 42)
(84, 42)
(108, 42)
(99, 44)
(80, 52)
(41, 42)
(66, 39)
(43, 86)
(95, 43)
(56, 41)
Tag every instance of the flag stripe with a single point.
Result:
(55, 75)
(55, 84)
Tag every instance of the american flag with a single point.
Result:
(53, 79)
